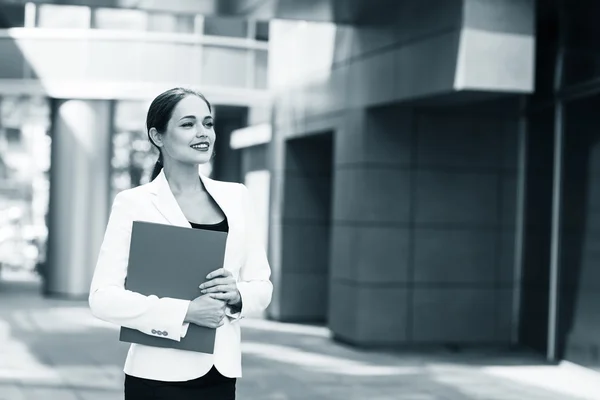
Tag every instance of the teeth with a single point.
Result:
(200, 146)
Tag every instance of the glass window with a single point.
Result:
(223, 26)
(120, 19)
(133, 156)
(12, 16)
(24, 189)
(262, 31)
(13, 137)
(582, 55)
(160, 22)
(69, 17)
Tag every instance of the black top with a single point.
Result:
(222, 226)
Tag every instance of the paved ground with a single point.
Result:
(57, 350)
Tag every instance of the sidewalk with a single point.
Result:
(52, 349)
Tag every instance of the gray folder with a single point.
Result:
(172, 261)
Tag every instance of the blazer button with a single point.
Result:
(154, 331)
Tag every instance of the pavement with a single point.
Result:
(55, 349)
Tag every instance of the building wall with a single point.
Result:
(323, 76)
(421, 220)
(422, 217)
(341, 67)
(322, 68)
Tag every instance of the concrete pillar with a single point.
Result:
(275, 160)
(79, 194)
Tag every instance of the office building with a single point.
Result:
(424, 170)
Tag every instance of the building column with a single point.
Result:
(79, 194)
(275, 160)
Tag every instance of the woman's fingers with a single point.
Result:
(218, 272)
(221, 288)
(216, 282)
(223, 295)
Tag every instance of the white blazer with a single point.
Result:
(245, 257)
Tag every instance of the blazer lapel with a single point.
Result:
(166, 203)
(222, 198)
(218, 196)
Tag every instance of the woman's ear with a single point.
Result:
(156, 137)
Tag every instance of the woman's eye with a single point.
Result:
(209, 124)
(188, 125)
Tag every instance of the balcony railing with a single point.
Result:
(125, 64)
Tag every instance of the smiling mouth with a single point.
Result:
(202, 146)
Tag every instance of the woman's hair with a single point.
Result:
(160, 113)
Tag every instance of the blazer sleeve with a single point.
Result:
(254, 282)
(108, 298)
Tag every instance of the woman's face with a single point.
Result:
(190, 135)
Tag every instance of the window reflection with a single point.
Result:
(171, 23)
(65, 17)
(582, 55)
(133, 157)
(120, 19)
(225, 26)
(24, 182)
(12, 16)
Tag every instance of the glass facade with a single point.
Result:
(132, 156)
(582, 49)
(119, 19)
(12, 16)
(579, 267)
(63, 17)
(24, 182)
(60, 16)
(579, 294)
(564, 106)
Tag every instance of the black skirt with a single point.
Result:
(212, 386)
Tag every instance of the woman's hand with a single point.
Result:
(206, 311)
(221, 285)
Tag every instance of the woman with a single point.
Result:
(180, 125)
